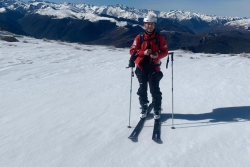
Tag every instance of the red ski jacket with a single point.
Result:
(149, 42)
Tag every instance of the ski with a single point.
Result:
(140, 124)
(157, 130)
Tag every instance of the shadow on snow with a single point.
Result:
(217, 116)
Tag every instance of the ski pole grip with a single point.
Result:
(172, 58)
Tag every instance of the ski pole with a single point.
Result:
(172, 64)
(132, 75)
(132, 65)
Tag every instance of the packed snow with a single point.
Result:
(67, 105)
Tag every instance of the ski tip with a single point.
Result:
(132, 138)
(157, 140)
(156, 137)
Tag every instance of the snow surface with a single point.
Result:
(66, 105)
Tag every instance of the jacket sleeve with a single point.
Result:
(136, 48)
(163, 47)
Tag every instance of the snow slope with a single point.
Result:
(66, 104)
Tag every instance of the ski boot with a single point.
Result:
(157, 113)
(144, 111)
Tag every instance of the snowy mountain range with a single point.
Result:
(92, 13)
(117, 25)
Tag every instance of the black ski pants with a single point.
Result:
(153, 80)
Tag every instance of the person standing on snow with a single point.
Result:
(148, 51)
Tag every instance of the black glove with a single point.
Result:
(132, 60)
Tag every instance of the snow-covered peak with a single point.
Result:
(186, 15)
(245, 23)
(12, 4)
(2, 10)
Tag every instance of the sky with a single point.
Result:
(232, 8)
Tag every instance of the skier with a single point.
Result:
(148, 48)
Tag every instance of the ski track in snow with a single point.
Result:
(66, 104)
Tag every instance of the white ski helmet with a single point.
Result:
(150, 18)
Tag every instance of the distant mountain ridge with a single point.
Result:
(91, 12)
(118, 24)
